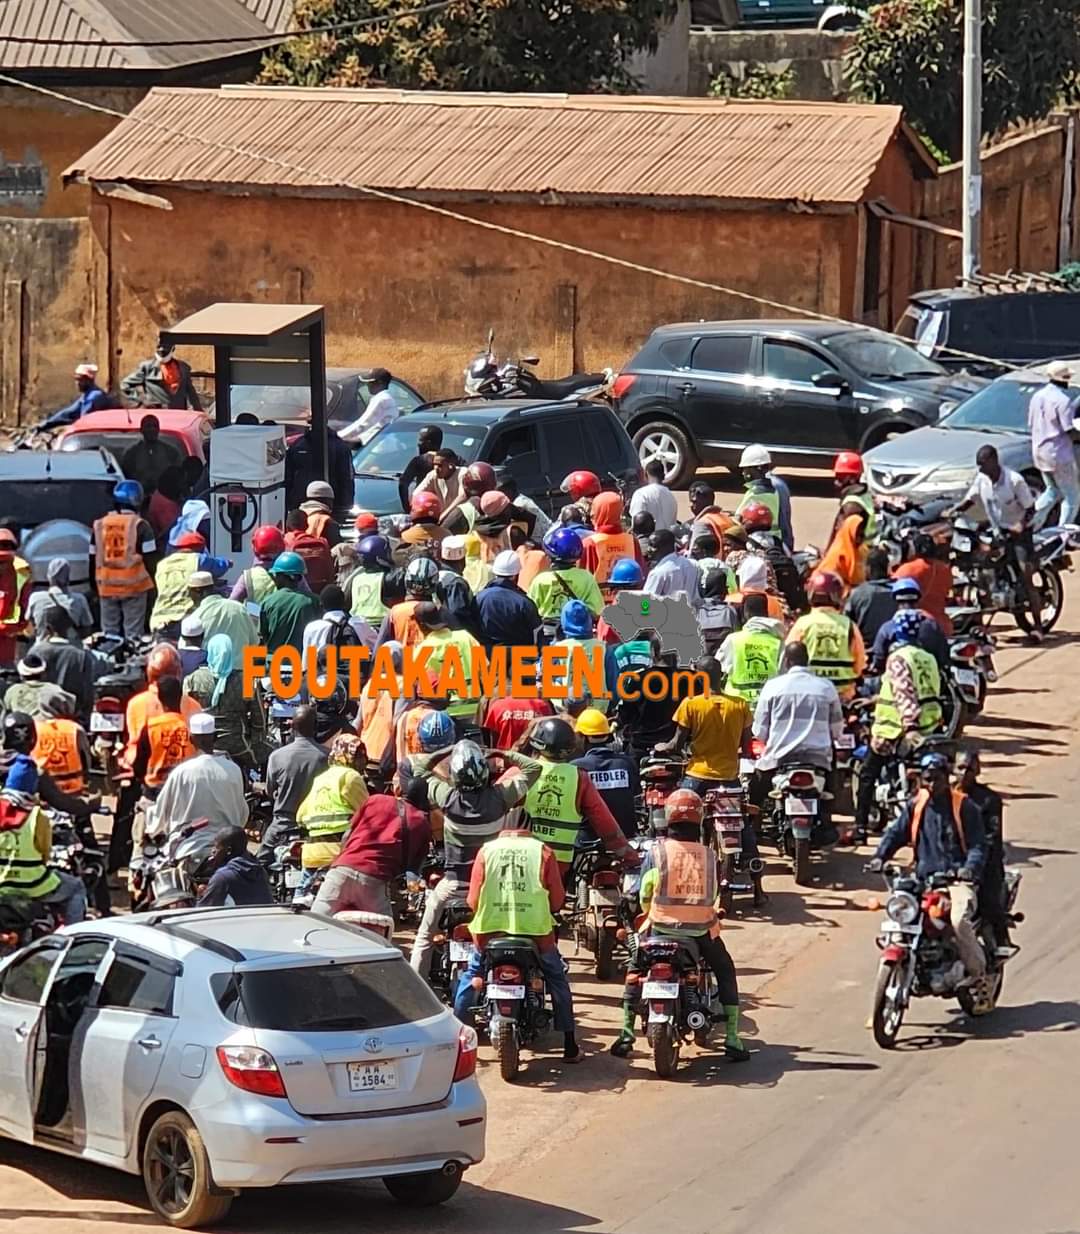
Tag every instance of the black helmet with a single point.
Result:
(20, 732)
(555, 738)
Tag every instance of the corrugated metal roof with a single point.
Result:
(482, 145)
(132, 21)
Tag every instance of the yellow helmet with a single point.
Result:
(593, 723)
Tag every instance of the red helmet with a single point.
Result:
(478, 478)
(267, 541)
(425, 505)
(163, 661)
(756, 516)
(580, 484)
(847, 466)
(824, 587)
(684, 806)
(366, 524)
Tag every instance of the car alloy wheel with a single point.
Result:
(667, 443)
(662, 446)
(171, 1170)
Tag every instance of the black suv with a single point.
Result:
(1014, 326)
(537, 442)
(698, 393)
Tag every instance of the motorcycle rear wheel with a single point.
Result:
(800, 861)
(888, 1013)
(661, 1039)
(966, 997)
(1050, 588)
(727, 873)
(604, 964)
(505, 1043)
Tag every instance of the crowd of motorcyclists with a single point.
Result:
(828, 677)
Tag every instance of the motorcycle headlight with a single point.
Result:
(902, 908)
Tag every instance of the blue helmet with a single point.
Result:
(906, 589)
(562, 544)
(626, 573)
(435, 732)
(374, 553)
(906, 626)
(576, 620)
(128, 493)
(932, 762)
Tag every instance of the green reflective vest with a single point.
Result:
(171, 578)
(258, 584)
(550, 590)
(593, 649)
(767, 497)
(513, 898)
(867, 503)
(22, 871)
(757, 658)
(552, 805)
(827, 637)
(439, 640)
(324, 811)
(924, 670)
(366, 598)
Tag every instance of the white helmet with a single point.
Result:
(421, 575)
(507, 564)
(755, 456)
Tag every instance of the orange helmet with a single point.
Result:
(824, 587)
(756, 516)
(366, 523)
(425, 505)
(267, 541)
(684, 806)
(163, 661)
(847, 466)
(478, 478)
(581, 484)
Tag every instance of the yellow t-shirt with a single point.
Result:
(716, 725)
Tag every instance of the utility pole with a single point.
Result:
(972, 118)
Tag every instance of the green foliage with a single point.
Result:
(553, 45)
(911, 52)
(757, 82)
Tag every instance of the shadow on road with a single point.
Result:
(770, 1062)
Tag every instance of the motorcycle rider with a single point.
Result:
(992, 890)
(582, 487)
(476, 480)
(124, 550)
(755, 463)
(474, 806)
(670, 573)
(717, 617)
(608, 543)
(91, 397)
(908, 595)
(363, 588)
(286, 611)
(256, 582)
(565, 580)
(164, 741)
(576, 624)
(336, 794)
(507, 616)
(614, 773)
(854, 495)
(679, 895)
(626, 575)
(872, 603)
(908, 706)
(762, 537)
(836, 648)
(707, 515)
(944, 829)
(931, 570)
(424, 535)
(751, 656)
(439, 638)
(515, 888)
(399, 624)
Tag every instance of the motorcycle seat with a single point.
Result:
(686, 946)
(562, 387)
(132, 678)
(512, 942)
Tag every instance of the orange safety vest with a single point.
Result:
(611, 546)
(533, 562)
(169, 745)
(317, 525)
(376, 722)
(119, 569)
(407, 738)
(686, 894)
(403, 624)
(57, 752)
(922, 798)
(141, 708)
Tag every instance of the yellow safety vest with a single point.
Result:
(826, 634)
(924, 669)
(324, 811)
(22, 577)
(366, 598)
(22, 871)
(757, 658)
(552, 805)
(439, 641)
(513, 898)
(172, 577)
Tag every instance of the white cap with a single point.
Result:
(200, 578)
(202, 724)
(755, 456)
(86, 370)
(452, 548)
(1059, 371)
(753, 574)
(507, 564)
(191, 627)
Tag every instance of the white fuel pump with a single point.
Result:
(247, 488)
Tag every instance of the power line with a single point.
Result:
(501, 228)
(27, 40)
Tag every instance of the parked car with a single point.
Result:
(698, 392)
(1013, 326)
(213, 1050)
(539, 443)
(940, 461)
(347, 395)
(117, 430)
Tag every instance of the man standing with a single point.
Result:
(319, 509)
(145, 461)
(162, 381)
(290, 773)
(124, 550)
(755, 463)
(655, 498)
(90, 398)
(444, 480)
(59, 593)
(707, 515)
(1050, 418)
(872, 603)
(381, 409)
(669, 573)
(15, 584)
(428, 440)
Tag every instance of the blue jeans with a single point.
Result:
(701, 786)
(558, 984)
(1062, 484)
(69, 897)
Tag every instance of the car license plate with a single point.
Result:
(293, 877)
(746, 766)
(460, 953)
(603, 897)
(506, 991)
(800, 805)
(660, 989)
(846, 741)
(372, 1077)
(106, 722)
(965, 677)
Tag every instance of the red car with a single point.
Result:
(117, 429)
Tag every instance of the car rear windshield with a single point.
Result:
(325, 998)
(389, 452)
(118, 442)
(29, 503)
(1001, 406)
(878, 357)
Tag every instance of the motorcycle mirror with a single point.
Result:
(531, 360)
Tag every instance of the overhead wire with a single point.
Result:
(485, 224)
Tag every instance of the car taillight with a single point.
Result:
(801, 779)
(606, 878)
(661, 972)
(967, 652)
(108, 705)
(466, 1053)
(507, 974)
(621, 385)
(251, 1069)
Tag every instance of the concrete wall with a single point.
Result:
(417, 293)
(667, 70)
(49, 297)
(816, 59)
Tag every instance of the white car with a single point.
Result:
(211, 1050)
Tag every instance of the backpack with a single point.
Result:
(316, 554)
(343, 634)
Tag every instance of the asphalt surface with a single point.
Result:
(967, 1125)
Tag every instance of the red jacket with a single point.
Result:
(385, 839)
(506, 719)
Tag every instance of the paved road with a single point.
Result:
(967, 1124)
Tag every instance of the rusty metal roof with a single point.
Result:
(132, 21)
(483, 146)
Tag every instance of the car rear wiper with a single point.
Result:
(380, 475)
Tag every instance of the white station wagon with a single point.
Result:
(216, 1049)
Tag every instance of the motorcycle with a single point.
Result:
(604, 905)
(411, 894)
(278, 712)
(516, 1008)
(987, 580)
(918, 951)
(23, 922)
(70, 854)
(487, 378)
(112, 691)
(660, 777)
(167, 873)
(678, 993)
(286, 871)
(723, 830)
(797, 793)
(900, 520)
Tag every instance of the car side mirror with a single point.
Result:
(831, 381)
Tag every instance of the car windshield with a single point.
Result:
(878, 357)
(388, 453)
(273, 402)
(117, 442)
(1001, 407)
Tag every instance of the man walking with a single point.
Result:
(1050, 419)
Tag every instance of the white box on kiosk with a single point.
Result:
(247, 488)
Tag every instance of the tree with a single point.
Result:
(553, 45)
(911, 52)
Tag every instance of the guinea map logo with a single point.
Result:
(671, 617)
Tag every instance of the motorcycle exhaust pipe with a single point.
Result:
(755, 865)
(696, 1020)
(451, 1169)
